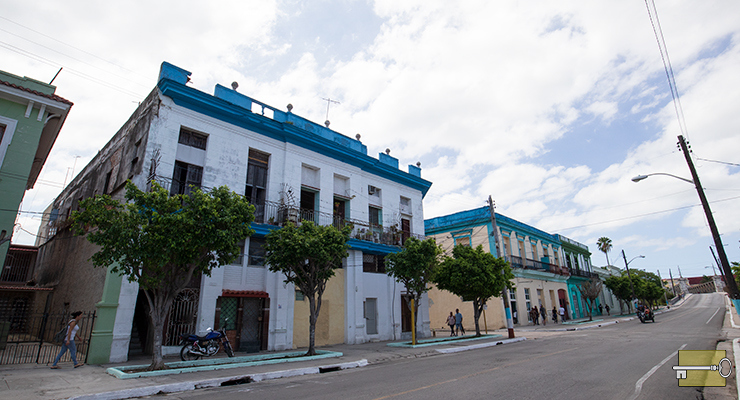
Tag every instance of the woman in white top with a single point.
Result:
(69, 341)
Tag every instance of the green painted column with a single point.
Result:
(102, 334)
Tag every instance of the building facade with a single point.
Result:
(31, 116)
(291, 169)
(540, 276)
(577, 258)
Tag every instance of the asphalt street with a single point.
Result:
(629, 360)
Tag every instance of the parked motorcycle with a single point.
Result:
(645, 315)
(196, 346)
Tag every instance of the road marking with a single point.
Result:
(472, 375)
(710, 318)
(638, 385)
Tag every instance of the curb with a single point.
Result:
(479, 346)
(216, 382)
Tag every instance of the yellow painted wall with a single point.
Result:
(441, 302)
(330, 325)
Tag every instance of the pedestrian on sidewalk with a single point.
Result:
(543, 312)
(601, 309)
(607, 310)
(554, 314)
(458, 322)
(535, 315)
(69, 341)
(561, 311)
(451, 323)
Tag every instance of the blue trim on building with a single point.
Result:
(319, 139)
(261, 230)
(482, 216)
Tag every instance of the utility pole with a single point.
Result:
(627, 265)
(665, 296)
(731, 284)
(505, 292)
(724, 278)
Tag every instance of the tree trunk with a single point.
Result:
(159, 305)
(312, 317)
(476, 316)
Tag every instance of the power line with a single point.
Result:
(73, 58)
(644, 215)
(719, 162)
(76, 48)
(655, 22)
(68, 69)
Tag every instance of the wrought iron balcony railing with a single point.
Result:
(519, 262)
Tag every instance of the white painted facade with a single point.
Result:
(224, 162)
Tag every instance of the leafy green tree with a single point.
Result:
(605, 245)
(590, 291)
(162, 241)
(620, 287)
(736, 270)
(308, 255)
(474, 275)
(415, 266)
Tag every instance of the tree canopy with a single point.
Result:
(474, 275)
(307, 256)
(648, 286)
(590, 290)
(605, 245)
(415, 266)
(162, 241)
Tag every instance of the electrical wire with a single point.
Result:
(655, 22)
(719, 162)
(644, 215)
(69, 70)
(71, 46)
(73, 58)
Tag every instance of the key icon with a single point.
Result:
(682, 370)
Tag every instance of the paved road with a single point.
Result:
(605, 363)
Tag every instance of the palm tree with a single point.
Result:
(605, 245)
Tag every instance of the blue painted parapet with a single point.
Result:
(173, 73)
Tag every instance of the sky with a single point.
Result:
(549, 107)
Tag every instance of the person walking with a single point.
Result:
(535, 315)
(543, 312)
(561, 311)
(607, 310)
(601, 309)
(451, 323)
(69, 341)
(554, 314)
(458, 322)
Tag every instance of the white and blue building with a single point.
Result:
(291, 169)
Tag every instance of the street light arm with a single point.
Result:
(638, 178)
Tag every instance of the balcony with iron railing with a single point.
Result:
(525, 263)
(278, 214)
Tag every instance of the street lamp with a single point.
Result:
(731, 285)
(627, 266)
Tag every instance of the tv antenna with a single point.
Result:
(328, 103)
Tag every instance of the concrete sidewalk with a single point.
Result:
(31, 381)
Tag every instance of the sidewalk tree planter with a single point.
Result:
(474, 275)
(308, 255)
(162, 241)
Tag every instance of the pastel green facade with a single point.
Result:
(26, 108)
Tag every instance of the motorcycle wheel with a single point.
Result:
(186, 355)
(227, 348)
